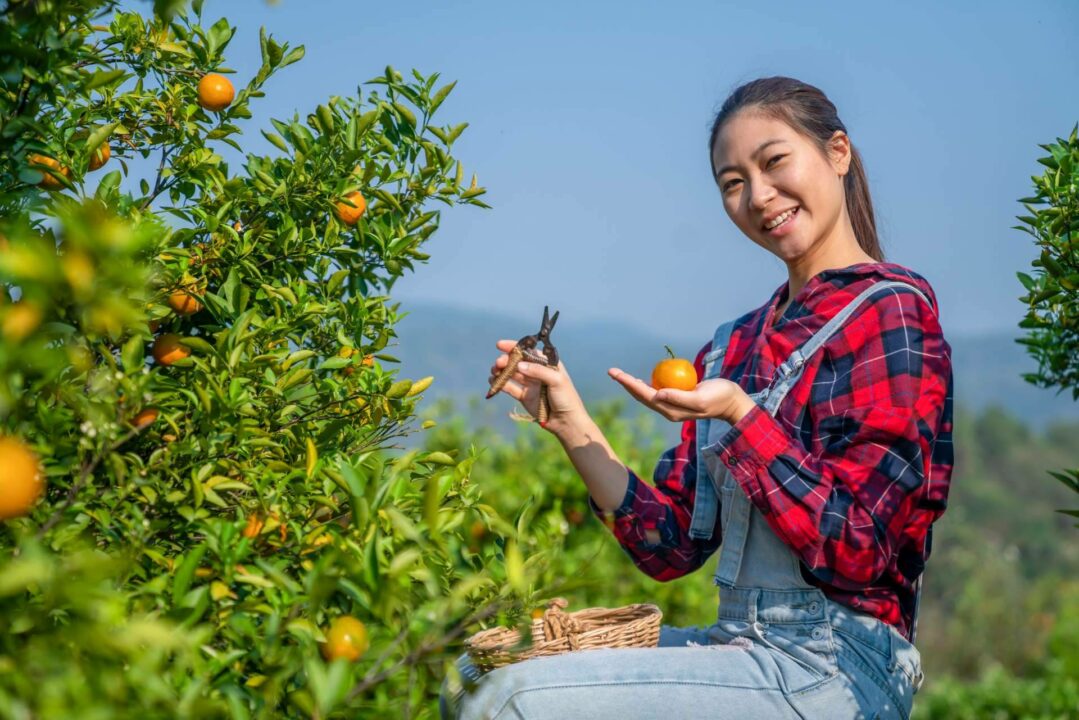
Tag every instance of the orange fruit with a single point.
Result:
(183, 303)
(256, 522)
(21, 319)
(346, 213)
(674, 372)
(21, 479)
(478, 530)
(99, 157)
(253, 527)
(146, 417)
(48, 180)
(215, 92)
(537, 614)
(167, 349)
(346, 638)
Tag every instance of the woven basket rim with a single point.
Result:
(637, 612)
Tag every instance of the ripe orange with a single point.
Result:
(346, 213)
(673, 372)
(146, 417)
(346, 638)
(21, 319)
(99, 157)
(21, 479)
(48, 180)
(168, 349)
(256, 522)
(215, 92)
(253, 527)
(183, 303)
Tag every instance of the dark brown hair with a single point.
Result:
(809, 112)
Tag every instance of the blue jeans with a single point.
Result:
(771, 654)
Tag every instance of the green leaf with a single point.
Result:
(440, 96)
(102, 78)
(277, 141)
(186, 572)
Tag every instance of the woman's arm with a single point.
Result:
(650, 523)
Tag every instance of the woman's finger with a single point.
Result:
(686, 400)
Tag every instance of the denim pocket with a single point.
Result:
(872, 662)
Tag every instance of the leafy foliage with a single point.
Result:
(206, 518)
(1053, 289)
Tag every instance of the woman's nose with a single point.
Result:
(760, 195)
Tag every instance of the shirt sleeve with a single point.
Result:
(843, 507)
(666, 508)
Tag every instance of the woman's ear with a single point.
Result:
(839, 152)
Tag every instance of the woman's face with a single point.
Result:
(765, 168)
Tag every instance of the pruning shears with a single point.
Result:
(526, 349)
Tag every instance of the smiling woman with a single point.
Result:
(815, 455)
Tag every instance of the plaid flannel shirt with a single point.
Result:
(854, 467)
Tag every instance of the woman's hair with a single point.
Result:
(809, 112)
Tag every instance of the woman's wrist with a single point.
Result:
(739, 407)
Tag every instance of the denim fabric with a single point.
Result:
(779, 647)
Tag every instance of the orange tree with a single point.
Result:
(195, 355)
(1052, 297)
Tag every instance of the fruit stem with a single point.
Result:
(669, 351)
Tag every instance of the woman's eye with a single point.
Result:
(729, 185)
(774, 158)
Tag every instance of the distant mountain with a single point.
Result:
(457, 346)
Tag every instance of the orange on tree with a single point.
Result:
(99, 157)
(48, 180)
(146, 417)
(167, 349)
(20, 319)
(348, 214)
(256, 522)
(345, 638)
(184, 302)
(215, 92)
(21, 479)
(674, 372)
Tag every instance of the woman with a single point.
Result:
(815, 454)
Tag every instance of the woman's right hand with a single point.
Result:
(565, 405)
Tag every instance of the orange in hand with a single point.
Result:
(674, 372)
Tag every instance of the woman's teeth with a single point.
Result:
(782, 219)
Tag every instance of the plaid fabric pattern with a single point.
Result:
(857, 462)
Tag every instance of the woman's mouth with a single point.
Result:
(785, 225)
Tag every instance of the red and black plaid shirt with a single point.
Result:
(854, 467)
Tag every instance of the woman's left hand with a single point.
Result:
(715, 398)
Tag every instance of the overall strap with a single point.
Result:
(798, 357)
(706, 501)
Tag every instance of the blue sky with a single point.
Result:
(589, 124)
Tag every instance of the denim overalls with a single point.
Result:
(785, 649)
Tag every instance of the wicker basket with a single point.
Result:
(558, 631)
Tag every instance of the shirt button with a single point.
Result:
(732, 461)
